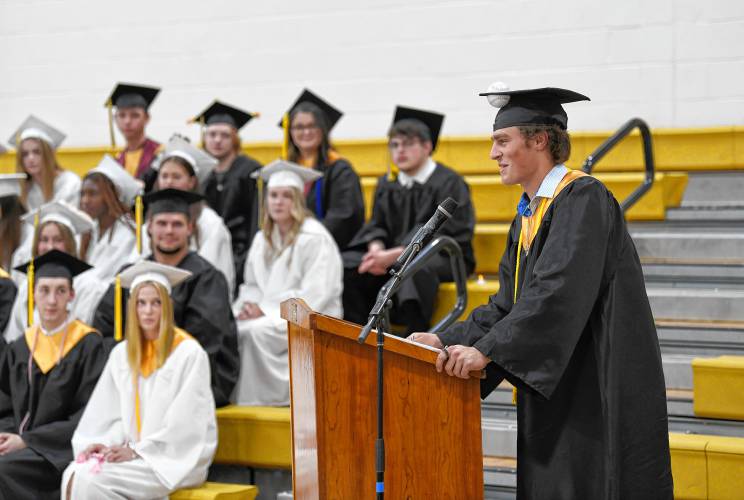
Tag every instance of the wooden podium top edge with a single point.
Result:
(297, 311)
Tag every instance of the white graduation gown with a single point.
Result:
(108, 253)
(310, 269)
(215, 244)
(179, 428)
(66, 188)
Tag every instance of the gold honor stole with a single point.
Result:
(530, 226)
(48, 350)
(3, 274)
(148, 365)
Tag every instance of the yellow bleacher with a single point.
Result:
(254, 436)
(496, 202)
(707, 467)
(718, 387)
(217, 491)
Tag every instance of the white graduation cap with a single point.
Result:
(34, 128)
(58, 211)
(282, 173)
(128, 187)
(201, 162)
(10, 184)
(148, 270)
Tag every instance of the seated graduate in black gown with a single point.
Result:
(335, 198)
(229, 189)
(201, 304)
(46, 378)
(403, 203)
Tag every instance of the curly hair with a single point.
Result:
(559, 142)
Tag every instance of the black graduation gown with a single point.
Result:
(202, 307)
(337, 202)
(580, 345)
(58, 399)
(235, 198)
(397, 214)
(7, 296)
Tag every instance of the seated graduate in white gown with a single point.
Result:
(149, 427)
(293, 255)
(59, 228)
(107, 195)
(184, 167)
(36, 143)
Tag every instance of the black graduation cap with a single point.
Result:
(432, 120)
(534, 107)
(55, 264)
(127, 95)
(219, 112)
(332, 114)
(170, 201)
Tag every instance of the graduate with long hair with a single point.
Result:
(149, 427)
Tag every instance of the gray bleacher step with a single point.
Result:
(701, 339)
(733, 213)
(678, 370)
(722, 246)
(692, 273)
(700, 303)
(717, 187)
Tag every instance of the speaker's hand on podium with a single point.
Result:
(426, 338)
(459, 361)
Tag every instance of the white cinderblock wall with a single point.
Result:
(677, 63)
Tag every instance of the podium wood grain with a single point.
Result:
(432, 421)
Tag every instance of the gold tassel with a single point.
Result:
(117, 308)
(285, 143)
(203, 131)
(110, 107)
(30, 277)
(138, 221)
(30, 273)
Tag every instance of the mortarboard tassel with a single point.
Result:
(30, 273)
(138, 222)
(117, 308)
(30, 277)
(285, 142)
(110, 107)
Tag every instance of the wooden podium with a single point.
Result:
(432, 421)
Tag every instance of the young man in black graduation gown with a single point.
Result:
(402, 205)
(40, 404)
(230, 190)
(201, 304)
(571, 326)
(335, 199)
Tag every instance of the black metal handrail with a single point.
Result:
(457, 263)
(648, 157)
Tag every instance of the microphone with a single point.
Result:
(424, 235)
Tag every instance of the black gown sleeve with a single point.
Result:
(7, 419)
(52, 440)
(7, 296)
(375, 228)
(535, 341)
(208, 317)
(343, 202)
(484, 317)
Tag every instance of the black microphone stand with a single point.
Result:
(378, 319)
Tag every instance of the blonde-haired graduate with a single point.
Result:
(149, 427)
(294, 255)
